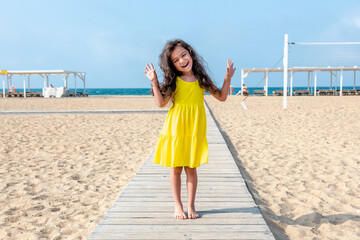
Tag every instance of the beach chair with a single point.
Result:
(331, 92)
(346, 92)
(322, 92)
(298, 92)
(305, 92)
(352, 92)
(259, 92)
(278, 92)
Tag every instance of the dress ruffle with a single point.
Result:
(177, 151)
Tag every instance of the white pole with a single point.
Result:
(24, 86)
(44, 80)
(315, 78)
(312, 82)
(84, 83)
(66, 81)
(285, 62)
(336, 83)
(242, 82)
(331, 79)
(29, 82)
(266, 83)
(341, 81)
(4, 86)
(75, 82)
(354, 79)
(47, 80)
(291, 83)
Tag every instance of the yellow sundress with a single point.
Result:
(183, 139)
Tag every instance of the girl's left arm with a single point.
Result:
(223, 93)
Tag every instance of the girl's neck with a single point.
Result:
(188, 77)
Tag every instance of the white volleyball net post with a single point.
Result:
(285, 63)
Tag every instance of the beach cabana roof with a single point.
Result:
(246, 71)
(44, 74)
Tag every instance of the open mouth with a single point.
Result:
(185, 65)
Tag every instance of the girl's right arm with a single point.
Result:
(152, 76)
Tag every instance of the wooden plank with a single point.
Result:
(170, 205)
(248, 213)
(172, 221)
(184, 235)
(144, 210)
(198, 199)
(179, 227)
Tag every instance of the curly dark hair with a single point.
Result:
(171, 73)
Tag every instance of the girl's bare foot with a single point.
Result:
(192, 214)
(179, 212)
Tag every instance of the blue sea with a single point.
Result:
(146, 91)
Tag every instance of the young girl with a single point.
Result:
(183, 142)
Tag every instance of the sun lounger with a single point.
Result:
(347, 91)
(259, 92)
(352, 92)
(278, 92)
(322, 92)
(301, 92)
(331, 92)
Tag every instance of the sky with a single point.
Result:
(112, 40)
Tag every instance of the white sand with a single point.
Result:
(301, 164)
(86, 103)
(60, 173)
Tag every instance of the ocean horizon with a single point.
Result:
(146, 91)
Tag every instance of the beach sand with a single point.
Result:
(86, 103)
(302, 164)
(59, 174)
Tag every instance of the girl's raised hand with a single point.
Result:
(151, 74)
(230, 70)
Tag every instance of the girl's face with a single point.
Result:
(182, 60)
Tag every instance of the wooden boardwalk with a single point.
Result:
(144, 210)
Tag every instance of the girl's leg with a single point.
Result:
(175, 181)
(191, 183)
